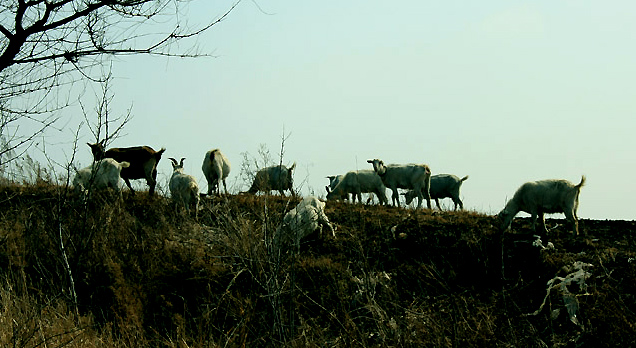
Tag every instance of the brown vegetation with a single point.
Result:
(135, 273)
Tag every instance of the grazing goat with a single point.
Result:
(545, 196)
(405, 176)
(277, 177)
(184, 188)
(216, 168)
(143, 162)
(99, 175)
(358, 182)
(333, 182)
(307, 217)
(442, 186)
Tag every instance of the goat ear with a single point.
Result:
(328, 189)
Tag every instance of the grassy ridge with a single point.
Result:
(138, 273)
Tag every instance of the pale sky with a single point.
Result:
(503, 91)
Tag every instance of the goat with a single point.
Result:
(356, 183)
(183, 187)
(277, 177)
(143, 162)
(442, 186)
(307, 217)
(545, 196)
(102, 174)
(405, 176)
(333, 182)
(216, 167)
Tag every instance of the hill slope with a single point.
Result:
(138, 272)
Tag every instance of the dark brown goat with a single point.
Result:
(143, 162)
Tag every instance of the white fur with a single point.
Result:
(99, 175)
(307, 217)
(405, 176)
(442, 186)
(545, 196)
(216, 168)
(184, 188)
(358, 182)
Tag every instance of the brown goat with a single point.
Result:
(143, 162)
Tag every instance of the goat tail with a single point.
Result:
(581, 183)
(460, 182)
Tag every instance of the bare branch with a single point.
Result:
(47, 46)
(104, 120)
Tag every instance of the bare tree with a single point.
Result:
(107, 127)
(48, 45)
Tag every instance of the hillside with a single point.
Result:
(138, 273)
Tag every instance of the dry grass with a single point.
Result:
(135, 273)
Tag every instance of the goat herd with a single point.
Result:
(140, 162)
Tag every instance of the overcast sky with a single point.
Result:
(503, 91)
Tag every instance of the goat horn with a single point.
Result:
(181, 164)
(174, 161)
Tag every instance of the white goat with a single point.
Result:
(100, 175)
(405, 176)
(277, 177)
(358, 182)
(216, 168)
(183, 188)
(545, 196)
(442, 186)
(307, 217)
